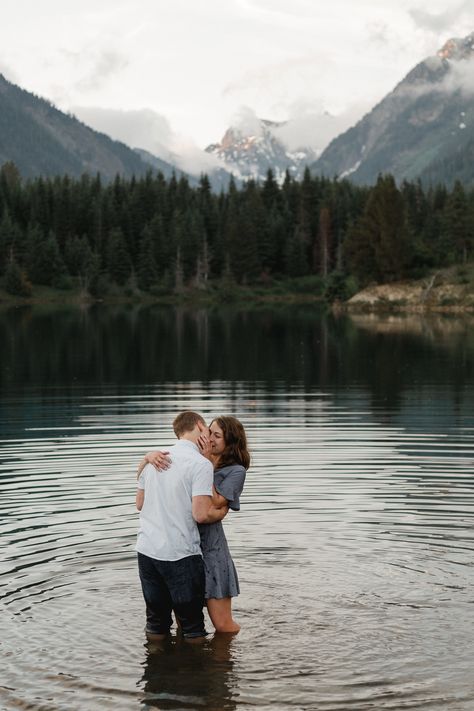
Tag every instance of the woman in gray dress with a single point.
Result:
(226, 447)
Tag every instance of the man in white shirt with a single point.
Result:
(168, 545)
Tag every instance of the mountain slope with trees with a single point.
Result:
(41, 140)
(420, 129)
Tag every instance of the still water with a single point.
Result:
(354, 545)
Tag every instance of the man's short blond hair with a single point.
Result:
(186, 421)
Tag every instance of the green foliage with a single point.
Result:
(377, 247)
(119, 264)
(311, 284)
(458, 223)
(164, 237)
(11, 241)
(15, 281)
(340, 287)
(147, 271)
(46, 265)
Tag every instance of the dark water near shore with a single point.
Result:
(355, 541)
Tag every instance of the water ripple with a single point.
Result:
(354, 549)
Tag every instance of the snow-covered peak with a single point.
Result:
(251, 146)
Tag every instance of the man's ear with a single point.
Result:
(201, 426)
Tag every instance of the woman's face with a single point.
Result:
(216, 438)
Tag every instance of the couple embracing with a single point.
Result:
(183, 557)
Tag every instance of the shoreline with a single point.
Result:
(191, 299)
(449, 291)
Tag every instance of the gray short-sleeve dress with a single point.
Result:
(221, 575)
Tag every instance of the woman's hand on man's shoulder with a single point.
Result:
(160, 459)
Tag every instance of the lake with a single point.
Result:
(355, 540)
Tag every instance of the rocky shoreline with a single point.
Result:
(440, 292)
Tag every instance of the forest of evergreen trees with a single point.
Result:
(157, 236)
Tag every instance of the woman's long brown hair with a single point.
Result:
(235, 451)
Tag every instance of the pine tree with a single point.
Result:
(178, 273)
(77, 255)
(377, 245)
(254, 221)
(45, 264)
(296, 255)
(119, 265)
(457, 224)
(163, 247)
(147, 272)
(244, 260)
(16, 281)
(324, 241)
(11, 241)
(11, 191)
(271, 192)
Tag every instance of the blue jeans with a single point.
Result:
(177, 585)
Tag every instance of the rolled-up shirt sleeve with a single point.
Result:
(203, 480)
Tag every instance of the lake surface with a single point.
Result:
(355, 541)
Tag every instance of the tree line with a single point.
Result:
(162, 236)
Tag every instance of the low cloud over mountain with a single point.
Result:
(152, 132)
(417, 129)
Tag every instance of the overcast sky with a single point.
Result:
(177, 71)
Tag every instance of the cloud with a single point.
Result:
(461, 77)
(458, 77)
(141, 128)
(283, 78)
(246, 120)
(277, 12)
(443, 21)
(308, 124)
(92, 68)
(8, 72)
(311, 126)
(194, 160)
(147, 129)
(105, 65)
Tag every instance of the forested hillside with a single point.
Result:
(421, 129)
(41, 140)
(158, 236)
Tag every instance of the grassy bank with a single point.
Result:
(289, 291)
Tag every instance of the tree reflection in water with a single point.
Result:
(122, 346)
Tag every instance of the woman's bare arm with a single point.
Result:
(159, 459)
(218, 501)
(216, 513)
(141, 466)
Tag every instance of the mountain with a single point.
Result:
(249, 151)
(423, 128)
(41, 140)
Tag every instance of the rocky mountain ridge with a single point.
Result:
(249, 152)
(422, 123)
